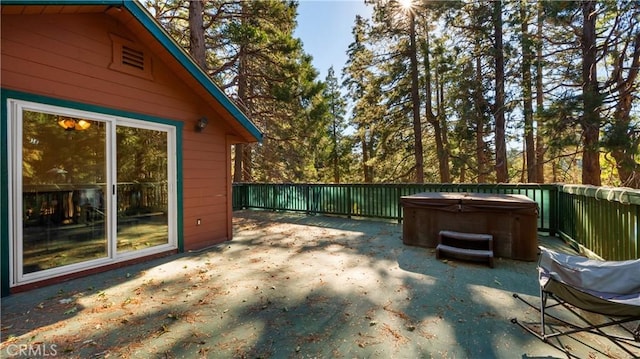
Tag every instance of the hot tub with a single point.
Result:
(511, 219)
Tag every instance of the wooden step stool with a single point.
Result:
(471, 246)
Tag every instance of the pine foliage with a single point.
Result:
(558, 80)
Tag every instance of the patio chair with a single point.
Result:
(571, 285)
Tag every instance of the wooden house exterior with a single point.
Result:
(116, 146)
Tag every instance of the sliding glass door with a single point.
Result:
(142, 188)
(89, 190)
(63, 184)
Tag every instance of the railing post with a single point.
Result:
(554, 210)
(637, 225)
(398, 195)
(273, 197)
(307, 196)
(244, 197)
(349, 202)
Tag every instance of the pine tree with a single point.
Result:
(498, 106)
(357, 80)
(622, 135)
(527, 93)
(457, 78)
(339, 148)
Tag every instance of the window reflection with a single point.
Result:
(143, 197)
(66, 210)
(63, 174)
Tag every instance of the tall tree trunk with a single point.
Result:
(627, 140)
(590, 97)
(196, 33)
(445, 171)
(245, 151)
(523, 171)
(247, 161)
(237, 162)
(334, 152)
(415, 100)
(242, 160)
(527, 100)
(197, 50)
(481, 154)
(371, 155)
(366, 169)
(540, 144)
(501, 146)
(434, 120)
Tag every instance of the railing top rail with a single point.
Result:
(435, 185)
(614, 194)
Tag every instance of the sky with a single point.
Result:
(324, 26)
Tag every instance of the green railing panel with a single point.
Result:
(605, 221)
(375, 200)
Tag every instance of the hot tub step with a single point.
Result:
(472, 246)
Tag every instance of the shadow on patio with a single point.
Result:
(292, 286)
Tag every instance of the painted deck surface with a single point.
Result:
(294, 286)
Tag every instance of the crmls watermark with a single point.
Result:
(40, 350)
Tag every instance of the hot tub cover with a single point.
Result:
(472, 202)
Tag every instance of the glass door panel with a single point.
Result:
(63, 187)
(142, 189)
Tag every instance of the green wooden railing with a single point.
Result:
(375, 200)
(603, 221)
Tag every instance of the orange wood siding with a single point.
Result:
(67, 56)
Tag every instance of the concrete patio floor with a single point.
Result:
(293, 286)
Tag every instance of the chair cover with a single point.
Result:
(605, 287)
